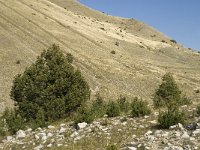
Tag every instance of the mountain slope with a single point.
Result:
(142, 54)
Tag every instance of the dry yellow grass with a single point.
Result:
(27, 27)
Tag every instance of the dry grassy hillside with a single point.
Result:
(142, 54)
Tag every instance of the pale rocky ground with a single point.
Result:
(126, 132)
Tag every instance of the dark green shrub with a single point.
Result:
(167, 119)
(84, 114)
(113, 109)
(123, 104)
(99, 107)
(112, 147)
(50, 85)
(139, 108)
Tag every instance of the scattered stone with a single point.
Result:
(62, 125)
(38, 147)
(29, 130)
(44, 138)
(77, 138)
(51, 127)
(9, 138)
(62, 130)
(185, 136)
(153, 122)
(150, 139)
(49, 145)
(148, 133)
(132, 148)
(37, 137)
(20, 134)
(180, 126)
(172, 127)
(141, 126)
(81, 125)
(74, 134)
(49, 135)
(39, 129)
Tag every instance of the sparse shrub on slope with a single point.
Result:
(123, 104)
(113, 109)
(84, 114)
(50, 88)
(139, 108)
(167, 119)
(99, 107)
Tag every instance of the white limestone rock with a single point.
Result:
(81, 125)
(20, 134)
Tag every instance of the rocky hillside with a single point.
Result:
(116, 55)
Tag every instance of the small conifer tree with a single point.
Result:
(50, 88)
(169, 95)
